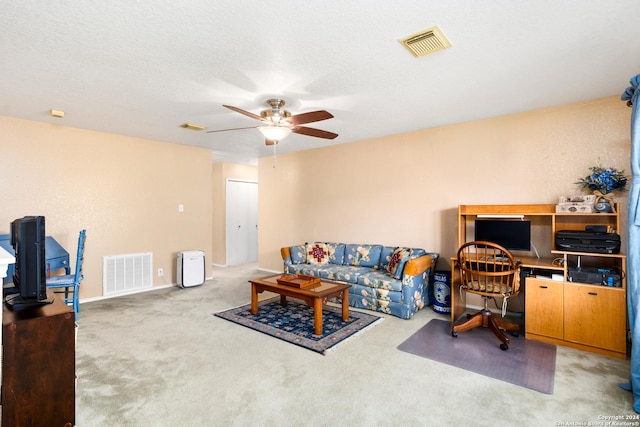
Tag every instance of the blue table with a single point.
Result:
(55, 255)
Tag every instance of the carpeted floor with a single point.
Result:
(526, 363)
(161, 359)
(294, 322)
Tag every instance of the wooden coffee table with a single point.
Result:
(315, 296)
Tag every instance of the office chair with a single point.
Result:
(489, 270)
(69, 284)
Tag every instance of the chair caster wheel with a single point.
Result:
(454, 334)
(515, 334)
(504, 347)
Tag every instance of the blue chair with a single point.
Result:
(69, 284)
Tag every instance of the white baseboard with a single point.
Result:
(137, 291)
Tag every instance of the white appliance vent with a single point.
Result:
(127, 273)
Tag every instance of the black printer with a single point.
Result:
(587, 241)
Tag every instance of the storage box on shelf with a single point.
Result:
(586, 316)
(578, 204)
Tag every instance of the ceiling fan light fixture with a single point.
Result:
(275, 133)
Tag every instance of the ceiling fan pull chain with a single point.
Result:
(275, 156)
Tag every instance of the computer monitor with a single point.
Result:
(29, 276)
(512, 234)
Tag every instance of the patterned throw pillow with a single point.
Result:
(397, 260)
(317, 253)
(298, 254)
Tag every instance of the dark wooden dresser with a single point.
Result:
(38, 366)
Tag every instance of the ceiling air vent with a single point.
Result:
(192, 126)
(426, 42)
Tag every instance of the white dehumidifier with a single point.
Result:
(191, 269)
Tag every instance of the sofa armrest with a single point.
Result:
(285, 252)
(418, 265)
(286, 256)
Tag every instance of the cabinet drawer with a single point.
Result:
(544, 307)
(595, 316)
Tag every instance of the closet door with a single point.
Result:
(242, 222)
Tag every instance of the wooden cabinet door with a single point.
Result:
(544, 307)
(596, 316)
(38, 365)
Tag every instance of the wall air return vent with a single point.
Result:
(128, 273)
(426, 42)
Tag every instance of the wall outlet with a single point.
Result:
(160, 272)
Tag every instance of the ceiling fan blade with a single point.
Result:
(312, 116)
(224, 130)
(246, 113)
(314, 132)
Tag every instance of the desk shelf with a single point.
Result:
(541, 263)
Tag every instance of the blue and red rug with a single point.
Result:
(294, 323)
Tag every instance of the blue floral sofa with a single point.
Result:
(388, 279)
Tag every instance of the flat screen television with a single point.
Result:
(29, 276)
(512, 234)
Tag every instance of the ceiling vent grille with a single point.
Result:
(192, 126)
(426, 42)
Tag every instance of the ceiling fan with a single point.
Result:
(278, 123)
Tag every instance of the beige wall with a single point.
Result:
(396, 190)
(125, 191)
(221, 173)
(405, 189)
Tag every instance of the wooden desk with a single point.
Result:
(586, 316)
(458, 305)
(56, 256)
(38, 366)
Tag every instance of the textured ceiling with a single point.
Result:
(143, 68)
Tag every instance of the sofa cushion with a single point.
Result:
(341, 273)
(398, 259)
(351, 255)
(363, 255)
(385, 255)
(377, 293)
(380, 279)
(317, 253)
(416, 252)
(298, 254)
(336, 253)
(306, 269)
(369, 255)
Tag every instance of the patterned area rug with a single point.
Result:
(294, 323)
(527, 363)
